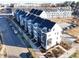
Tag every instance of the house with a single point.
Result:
(36, 28)
(53, 36)
(59, 12)
(45, 33)
(40, 13)
(22, 18)
(16, 13)
(19, 14)
(28, 19)
(55, 12)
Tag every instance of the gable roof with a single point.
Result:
(20, 12)
(30, 16)
(39, 12)
(38, 20)
(32, 10)
(36, 11)
(44, 22)
(48, 24)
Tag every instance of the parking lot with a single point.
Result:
(12, 42)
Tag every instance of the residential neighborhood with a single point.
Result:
(39, 30)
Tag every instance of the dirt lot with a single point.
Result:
(65, 45)
(55, 52)
(74, 32)
(61, 20)
(75, 55)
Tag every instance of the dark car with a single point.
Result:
(8, 10)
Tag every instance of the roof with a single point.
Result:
(36, 11)
(38, 20)
(30, 16)
(17, 10)
(32, 10)
(39, 12)
(44, 22)
(21, 12)
(48, 24)
(24, 13)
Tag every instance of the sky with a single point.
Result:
(34, 1)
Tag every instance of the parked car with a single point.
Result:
(14, 30)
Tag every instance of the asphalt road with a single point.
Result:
(12, 42)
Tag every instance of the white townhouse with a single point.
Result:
(53, 34)
(59, 12)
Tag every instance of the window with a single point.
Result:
(57, 37)
(35, 33)
(49, 30)
(43, 37)
(57, 33)
(49, 35)
(49, 41)
(53, 29)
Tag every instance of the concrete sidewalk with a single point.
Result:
(15, 52)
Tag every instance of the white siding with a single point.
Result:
(55, 35)
(61, 12)
(57, 32)
(43, 15)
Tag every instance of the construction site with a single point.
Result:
(38, 31)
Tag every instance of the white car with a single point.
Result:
(15, 31)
